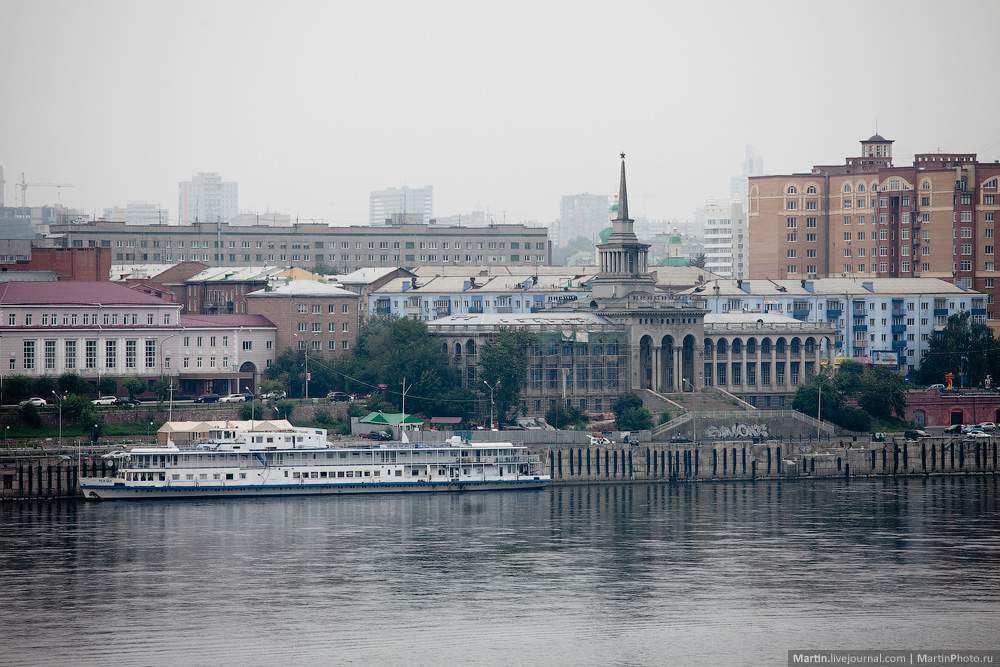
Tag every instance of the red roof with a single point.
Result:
(74, 293)
(225, 321)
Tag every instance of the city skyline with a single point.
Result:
(294, 147)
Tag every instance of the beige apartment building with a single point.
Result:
(344, 249)
(868, 218)
(309, 315)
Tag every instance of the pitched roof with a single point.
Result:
(390, 419)
(195, 321)
(303, 288)
(75, 293)
(365, 276)
(235, 274)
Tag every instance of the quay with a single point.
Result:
(54, 474)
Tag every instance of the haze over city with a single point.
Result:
(310, 106)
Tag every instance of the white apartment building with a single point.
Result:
(207, 198)
(883, 321)
(404, 204)
(428, 299)
(725, 234)
(105, 330)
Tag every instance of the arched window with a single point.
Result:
(811, 190)
(847, 187)
(752, 346)
(991, 184)
(765, 346)
(925, 184)
(722, 347)
(861, 187)
(792, 190)
(470, 347)
(737, 346)
(708, 347)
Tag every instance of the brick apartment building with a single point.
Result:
(309, 315)
(868, 218)
(90, 264)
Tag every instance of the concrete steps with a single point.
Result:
(705, 401)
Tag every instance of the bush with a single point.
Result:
(284, 410)
(322, 416)
(28, 415)
(71, 383)
(134, 386)
(107, 387)
(43, 387)
(16, 388)
(665, 417)
(634, 419)
(562, 416)
(247, 411)
(78, 409)
(356, 410)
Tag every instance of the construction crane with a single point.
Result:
(24, 185)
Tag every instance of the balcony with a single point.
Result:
(977, 312)
(940, 312)
(833, 313)
(898, 345)
(860, 327)
(800, 314)
(898, 328)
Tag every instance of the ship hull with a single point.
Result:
(100, 490)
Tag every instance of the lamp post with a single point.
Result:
(59, 399)
(492, 387)
(306, 348)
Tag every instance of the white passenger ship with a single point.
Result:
(301, 462)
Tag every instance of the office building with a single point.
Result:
(207, 198)
(403, 205)
(344, 249)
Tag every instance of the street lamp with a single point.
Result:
(149, 429)
(59, 399)
(306, 348)
(492, 387)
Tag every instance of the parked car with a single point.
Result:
(988, 426)
(379, 435)
(207, 398)
(939, 387)
(915, 434)
(979, 434)
(127, 402)
(233, 398)
(34, 400)
(337, 397)
(878, 437)
(969, 428)
(954, 428)
(599, 440)
(274, 395)
(104, 400)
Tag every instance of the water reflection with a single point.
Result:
(587, 574)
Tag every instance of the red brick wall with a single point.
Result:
(283, 311)
(71, 263)
(938, 406)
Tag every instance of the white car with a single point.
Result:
(233, 398)
(979, 434)
(34, 400)
(988, 426)
(105, 400)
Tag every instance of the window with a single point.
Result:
(111, 354)
(130, 352)
(247, 345)
(791, 205)
(792, 190)
(791, 223)
(69, 354)
(90, 354)
(811, 223)
(50, 355)
(150, 354)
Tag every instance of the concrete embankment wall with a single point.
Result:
(772, 460)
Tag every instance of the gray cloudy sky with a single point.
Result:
(508, 105)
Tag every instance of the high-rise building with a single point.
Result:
(207, 198)
(583, 216)
(138, 213)
(724, 236)
(753, 165)
(403, 205)
(868, 218)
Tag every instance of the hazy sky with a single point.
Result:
(506, 105)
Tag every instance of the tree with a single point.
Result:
(161, 389)
(698, 260)
(562, 416)
(107, 387)
(882, 393)
(833, 408)
(505, 359)
(965, 348)
(17, 388)
(630, 414)
(43, 387)
(28, 415)
(71, 383)
(134, 386)
(77, 409)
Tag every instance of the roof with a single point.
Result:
(492, 270)
(830, 287)
(877, 137)
(681, 276)
(749, 318)
(139, 271)
(234, 274)
(235, 425)
(75, 293)
(31, 275)
(365, 276)
(304, 288)
(446, 420)
(557, 318)
(389, 419)
(195, 321)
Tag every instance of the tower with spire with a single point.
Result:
(624, 260)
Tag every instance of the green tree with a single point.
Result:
(161, 389)
(107, 387)
(71, 383)
(882, 393)
(505, 359)
(832, 406)
(283, 410)
(965, 348)
(134, 386)
(16, 388)
(848, 378)
(77, 409)
(562, 416)
(43, 387)
(630, 414)
(28, 415)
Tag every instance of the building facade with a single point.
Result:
(102, 330)
(582, 216)
(724, 225)
(411, 205)
(882, 321)
(138, 213)
(869, 218)
(309, 315)
(344, 249)
(207, 198)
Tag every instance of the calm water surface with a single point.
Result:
(644, 574)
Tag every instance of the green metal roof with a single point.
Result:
(391, 419)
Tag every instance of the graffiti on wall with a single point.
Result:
(736, 431)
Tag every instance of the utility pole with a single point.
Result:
(170, 409)
(307, 372)
(492, 387)
(405, 389)
(819, 410)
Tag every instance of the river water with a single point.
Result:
(620, 574)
